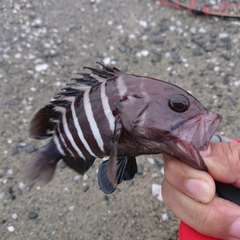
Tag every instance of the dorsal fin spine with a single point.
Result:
(53, 111)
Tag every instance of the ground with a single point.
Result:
(43, 44)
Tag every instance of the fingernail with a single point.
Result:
(199, 190)
(206, 153)
(235, 229)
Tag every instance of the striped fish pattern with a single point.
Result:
(110, 113)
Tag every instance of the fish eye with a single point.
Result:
(179, 103)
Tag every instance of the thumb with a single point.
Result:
(223, 162)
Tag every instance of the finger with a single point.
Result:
(223, 162)
(194, 183)
(219, 218)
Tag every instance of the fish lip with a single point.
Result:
(208, 125)
(195, 136)
(190, 156)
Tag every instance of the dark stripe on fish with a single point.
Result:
(178, 125)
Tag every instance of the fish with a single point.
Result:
(109, 113)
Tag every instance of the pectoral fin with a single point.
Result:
(112, 162)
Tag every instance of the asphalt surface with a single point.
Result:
(43, 44)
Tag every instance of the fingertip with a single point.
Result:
(200, 190)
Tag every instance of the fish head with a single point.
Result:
(173, 122)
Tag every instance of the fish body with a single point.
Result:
(110, 113)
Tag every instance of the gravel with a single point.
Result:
(43, 44)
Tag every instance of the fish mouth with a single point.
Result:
(194, 136)
(188, 154)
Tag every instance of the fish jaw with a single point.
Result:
(194, 136)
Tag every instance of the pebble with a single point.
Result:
(1, 195)
(143, 53)
(124, 68)
(140, 169)
(9, 89)
(202, 30)
(122, 49)
(15, 150)
(77, 178)
(19, 191)
(159, 162)
(172, 28)
(176, 57)
(156, 58)
(199, 42)
(14, 71)
(225, 56)
(212, 40)
(157, 191)
(12, 196)
(62, 164)
(226, 79)
(221, 44)
(223, 35)
(71, 208)
(158, 41)
(21, 185)
(85, 177)
(29, 148)
(150, 160)
(107, 60)
(11, 229)
(209, 47)
(197, 52)
(13, 102)
(164, 217)
(9, 172)
(14, 216)
(143, 23)
(232, 100)
(32, 215)
(85, 188)
(41, 67)
(163, 27)
(213, 35)
(226, 39)
(155, 33)
(193, 30)
(229, 46)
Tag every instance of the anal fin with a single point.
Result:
(78, 164)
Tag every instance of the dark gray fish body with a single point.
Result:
(110, 113)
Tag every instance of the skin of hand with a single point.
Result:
(190, 193)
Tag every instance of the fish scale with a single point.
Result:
(110, 113)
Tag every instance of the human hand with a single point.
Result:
(190, 193)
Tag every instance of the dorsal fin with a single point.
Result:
(46, 119)
(89, 80)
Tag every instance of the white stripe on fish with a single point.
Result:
(106, 107)
(79, 130)
(122, 88)
(68, 133)
(56, 141)
(91, 120)
(63, 141)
